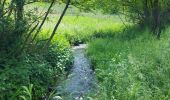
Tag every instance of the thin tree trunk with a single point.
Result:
(28, 36)
(156, 19)
(19, 17)
(10, 8)
(2, 8)
(19, 9)
(42, 23)
(57, 25)
(146, 13)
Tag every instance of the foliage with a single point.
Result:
(26, 92)
(132, 65)
(34, 69)
(76, 26)
(129, 63)
(151, 13)
(11, 29)
(22, 62)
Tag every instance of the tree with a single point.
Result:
(42, 23)
(57, 24)
(153, 14)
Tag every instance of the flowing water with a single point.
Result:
(81, 80)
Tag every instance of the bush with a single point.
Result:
(28, 71)
(43, 71)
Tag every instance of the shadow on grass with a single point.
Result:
(125, 34)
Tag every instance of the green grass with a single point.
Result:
(132, 66)
(56, 9)
(78, 27)
(129, 64)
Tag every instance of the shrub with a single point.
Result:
(43, 71)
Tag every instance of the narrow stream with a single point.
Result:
(81, 80)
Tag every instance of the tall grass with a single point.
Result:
(77, 27)
(130, 64)
(132, 67)
(80, 29)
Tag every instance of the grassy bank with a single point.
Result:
(129, 62)
(132, 66)
(77, 27)
(45, 71)
(80, 29)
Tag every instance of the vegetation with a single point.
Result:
(133, 65)
(128, 45)
(22, 61)
(151, 13)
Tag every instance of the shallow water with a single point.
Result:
(81, 80)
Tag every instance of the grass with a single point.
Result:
(129, 64)
(76, 26)
(132, 68)
(80, 29)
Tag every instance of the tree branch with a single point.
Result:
(57, 25)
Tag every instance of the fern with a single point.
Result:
(26, 92)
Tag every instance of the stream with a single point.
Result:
(81, 81)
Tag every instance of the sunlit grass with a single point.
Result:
(80, 29)
(129, 64)
(132, 68)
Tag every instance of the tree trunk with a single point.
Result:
(10, 8)
(146, 13)
(42, 23)
(19, 17)
(28, 36)
(2, 4)
(57, 25)
(156, 19)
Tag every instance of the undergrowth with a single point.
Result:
(132, 66)
(44, 71)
